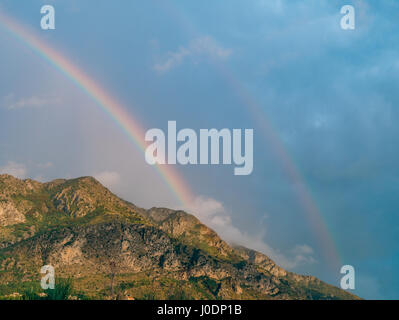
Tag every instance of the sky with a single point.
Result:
(322, 101)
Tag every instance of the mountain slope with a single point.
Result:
(108, 246)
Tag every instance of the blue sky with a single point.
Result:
(330, 95)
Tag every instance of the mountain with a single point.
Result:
(105, 247)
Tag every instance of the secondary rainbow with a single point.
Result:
(264, 128)
(311, 209)
(105, 101)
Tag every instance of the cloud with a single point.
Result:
(212, 213)
(203, 46)
(109, 179)
(12, 103)
(302, 255)
(15, 169)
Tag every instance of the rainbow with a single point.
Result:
(106, 102)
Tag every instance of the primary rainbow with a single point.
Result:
(106, 102)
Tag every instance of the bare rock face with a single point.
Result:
(261, 260)
(185, 226)
(9, 215)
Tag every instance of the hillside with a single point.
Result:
(109, 248)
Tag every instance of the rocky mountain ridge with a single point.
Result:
(107, 245)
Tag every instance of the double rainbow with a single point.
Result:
(135, 132)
